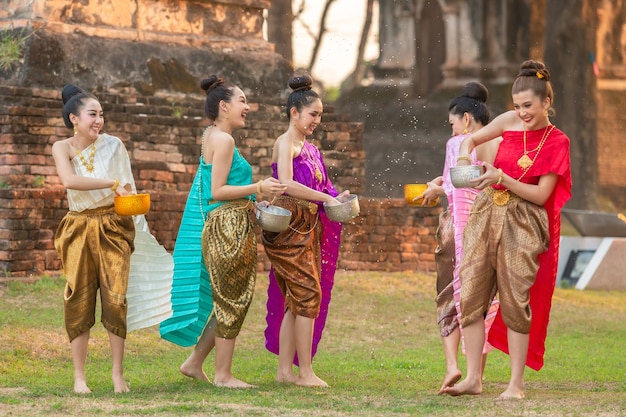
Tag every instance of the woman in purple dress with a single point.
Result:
(303, 257)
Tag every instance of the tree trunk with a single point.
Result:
(354, 79)
(320, 35)
(570, 37)
(279, 28)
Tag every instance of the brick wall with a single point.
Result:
(387, 236)
(162, 138)
(28, 221)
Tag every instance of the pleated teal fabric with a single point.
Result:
(192, 300)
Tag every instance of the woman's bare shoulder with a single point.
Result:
(508, 120)
(281, 139)
(221, 140)
(62, 145)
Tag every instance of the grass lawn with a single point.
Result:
(381, 354)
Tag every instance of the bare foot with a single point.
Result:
(310, 381)
(449, 380)
(193, 372)
(465, 387)
(120, 385)
(80, 387)
(232, 382)
(288, 378)
(512, 394)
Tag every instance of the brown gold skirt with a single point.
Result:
(295, 257)
(501, 248)
(95, 248)
(444, 261)
(230, 254)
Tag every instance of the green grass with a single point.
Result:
(381, 354)
(11, 43)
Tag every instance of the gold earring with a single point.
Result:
(75, 130)
(466, 128)
(545, 112)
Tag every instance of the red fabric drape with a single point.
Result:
(553, 157)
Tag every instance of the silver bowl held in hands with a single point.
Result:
(273, 218)
(461, 175)
(348, 209)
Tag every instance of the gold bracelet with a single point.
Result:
(117, 184)
(258, 187)
(500, 176)
(464, 158)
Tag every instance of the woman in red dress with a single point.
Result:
(511, 239)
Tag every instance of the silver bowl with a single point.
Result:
(460, 175)
(348, 209)
(273, 218)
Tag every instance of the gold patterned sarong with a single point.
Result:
(295, 257)
(444, 261)
(95, 247)
(501, 245)
(230, 254)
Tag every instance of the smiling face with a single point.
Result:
(531, 109)
(89, 120)
(309, 118)
(237, 108)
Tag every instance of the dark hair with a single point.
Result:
(534, 76)
(302, 94)
(472, 100)
(216, 89)
(73, 100)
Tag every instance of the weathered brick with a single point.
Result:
(388, 236)
(42, 130)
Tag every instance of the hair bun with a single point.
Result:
(210, 83)
(300, 83)
(69, 91)
(476, 91)
(531, 68)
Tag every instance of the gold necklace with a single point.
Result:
(206, 129)
(501, 197)
(92, 154)
(318, 173)
(525, 162)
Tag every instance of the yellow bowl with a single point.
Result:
(132, 204)
(414, 190)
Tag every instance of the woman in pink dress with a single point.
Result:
(466, 114)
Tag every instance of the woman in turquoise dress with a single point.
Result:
(215, 255)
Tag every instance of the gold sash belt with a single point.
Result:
(241, 203)
(501, 197)
(94, 212)
(309, 205)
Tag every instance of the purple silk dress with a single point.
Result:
(460, 201)
(305, 166)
